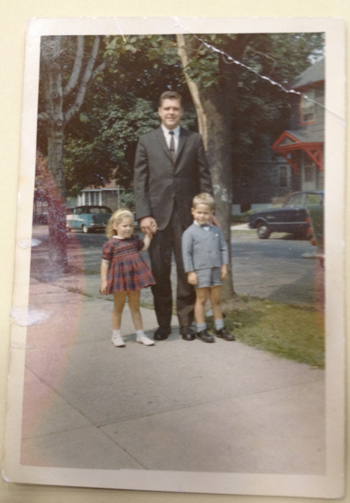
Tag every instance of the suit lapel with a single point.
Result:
(182, 141)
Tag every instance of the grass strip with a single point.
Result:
(292, 332)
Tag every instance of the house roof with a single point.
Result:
(313, 74)
(290, 142)
(305, 136)
(108, 186)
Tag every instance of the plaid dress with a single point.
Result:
(127, 269)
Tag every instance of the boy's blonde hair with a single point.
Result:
(203, 198)
(115, 219)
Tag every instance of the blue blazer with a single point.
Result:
(203, 249)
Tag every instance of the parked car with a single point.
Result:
(291, 217)
(88, 218)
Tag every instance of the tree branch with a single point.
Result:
(74, 77)
(85, 80)
(202, 118)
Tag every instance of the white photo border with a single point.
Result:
(332, 484)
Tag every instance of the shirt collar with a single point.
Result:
(166, 130)
(207, 225)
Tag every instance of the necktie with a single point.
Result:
(172, 146)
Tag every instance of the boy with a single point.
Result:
(205, 258)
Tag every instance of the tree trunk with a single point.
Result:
(220, 160)
(56, 202)
(53, 93)
(214, 121)
(55, 120)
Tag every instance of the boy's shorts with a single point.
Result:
(208, 277)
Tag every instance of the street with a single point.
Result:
(275, 268)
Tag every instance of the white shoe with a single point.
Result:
(118, 341)
(143, 339)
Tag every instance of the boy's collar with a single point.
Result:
(207, 225)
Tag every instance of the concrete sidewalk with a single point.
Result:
(189, 406)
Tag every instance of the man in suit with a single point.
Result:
(170, 169)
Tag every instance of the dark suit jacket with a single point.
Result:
(159, 184)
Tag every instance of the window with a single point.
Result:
(91, 198)
(308, 106)
(314, 199)
(295, 200)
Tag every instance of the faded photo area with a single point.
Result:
(179, 413)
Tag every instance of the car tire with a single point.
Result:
(263, 230)
(85, 229)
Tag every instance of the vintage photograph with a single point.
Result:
(178, 268)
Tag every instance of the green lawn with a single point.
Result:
(288, 331)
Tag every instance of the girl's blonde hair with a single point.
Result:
(115, 219)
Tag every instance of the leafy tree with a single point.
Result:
(232, 79)
(62, 93)
(228, 88)
(120, 105)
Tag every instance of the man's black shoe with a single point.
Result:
(187, 333)
(204, 336)
(223, 334)
(161, 333)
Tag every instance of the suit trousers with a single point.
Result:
(163, 245)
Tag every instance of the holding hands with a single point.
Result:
(148, 226)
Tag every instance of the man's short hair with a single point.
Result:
(170, 95)
(204, 198)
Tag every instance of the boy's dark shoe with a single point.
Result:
(187, 333)
(204, 336)
(223, 334)
(161, 333)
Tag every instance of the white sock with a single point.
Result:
(142, 337)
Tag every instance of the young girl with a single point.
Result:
(124, 273)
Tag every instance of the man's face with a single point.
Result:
(170, 113)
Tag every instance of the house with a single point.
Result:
(109, 194)
(302, 145)
(262, 177)
(295, 160)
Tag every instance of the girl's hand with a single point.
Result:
(103, 288)
(146, 242)
(223, 272)
(192, 278)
